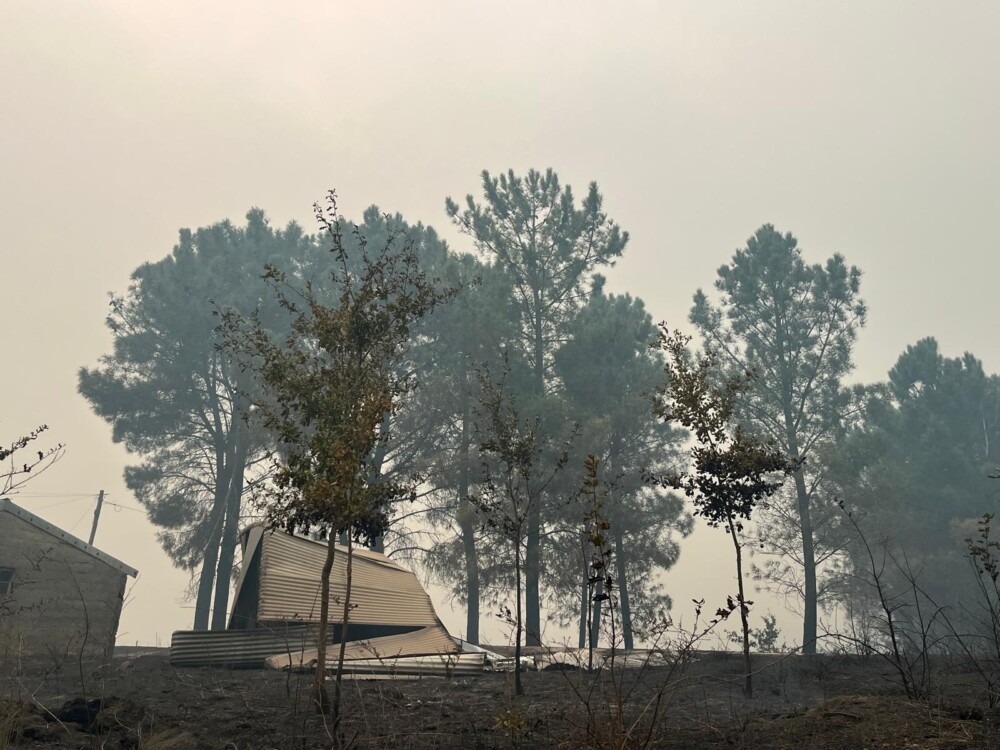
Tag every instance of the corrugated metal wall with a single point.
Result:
(237, 648)
(391, 613)
(381, 593)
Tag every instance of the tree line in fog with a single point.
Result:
(226, 352)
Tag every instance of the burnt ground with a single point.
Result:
(824, 701)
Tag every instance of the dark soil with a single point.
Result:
(799, 702)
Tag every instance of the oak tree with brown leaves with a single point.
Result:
(732, 471)
(326, 390)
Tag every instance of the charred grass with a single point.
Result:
(800, 702)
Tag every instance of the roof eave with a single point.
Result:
(6, 505)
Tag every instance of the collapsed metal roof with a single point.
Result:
(288, 583)
(277, 602)
(426, 641)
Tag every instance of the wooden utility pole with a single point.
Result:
(97, 516)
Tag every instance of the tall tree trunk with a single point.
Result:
(345, 620)
(206, 579)
(235, 466)
(584, 594)
(224, 570)
(471, 574)
(321, 699)
(809, 600)
(230, 534)
(810, 603)
(623, 602)
(744, 613)
(210, 558)
(594, 638)
(533, 551)
(518, 619)
(532, 568)
(467, 515)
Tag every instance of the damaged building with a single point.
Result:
(276, 611)
(60, 598)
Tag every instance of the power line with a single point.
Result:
(124, 507)
(55, 494)
(70, 497)
(77, 523)
(59, 504)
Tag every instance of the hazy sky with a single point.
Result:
(865, 128)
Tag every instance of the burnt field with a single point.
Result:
(799, 702)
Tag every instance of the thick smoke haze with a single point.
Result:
(866, 129)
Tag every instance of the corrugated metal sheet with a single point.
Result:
(237, 648)
(434, 665)
(382, 592)
(429, 640)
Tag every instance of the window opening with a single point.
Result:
(6, 577)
